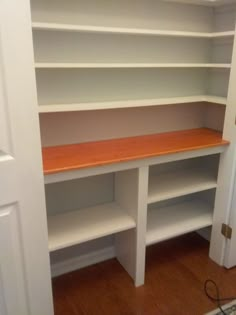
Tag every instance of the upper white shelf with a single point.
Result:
(68, 65)
(56, 108)
(179, 183)
(75, 227)
(123, 30)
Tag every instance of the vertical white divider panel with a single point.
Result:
(131, 189)
(226, 173)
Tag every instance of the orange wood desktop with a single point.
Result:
(91, 154)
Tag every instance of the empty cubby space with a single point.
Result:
(85, 209)
(175, 179)
(177, 216)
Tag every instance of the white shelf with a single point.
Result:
(180, 183)
(80, 226)
(216, 99)
(123, 30)
(210, 3)
(175, 220)
(54, 108)
(222, 34)
(68, 65)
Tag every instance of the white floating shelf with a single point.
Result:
(122, 30)
(211, 3)
(76, 227)
(56, 108)
(68, 65)
(180, 183)
(222, 34)
(171, 221)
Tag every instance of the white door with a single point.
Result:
(25, 286)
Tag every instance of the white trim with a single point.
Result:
(82, 261)
(118, 65)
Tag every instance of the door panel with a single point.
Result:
(4, 121)
(12, 294)
(7, 162)
(8, 184)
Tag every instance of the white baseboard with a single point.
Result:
(82, 261)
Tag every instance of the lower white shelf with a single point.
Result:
(171, 221)
(75, 227)
(119, 65)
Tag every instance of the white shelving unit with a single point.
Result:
(149, 67)
(112, 49)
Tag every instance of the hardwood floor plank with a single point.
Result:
(175, 275)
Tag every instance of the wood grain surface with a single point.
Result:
(76, 156)
(175, 274)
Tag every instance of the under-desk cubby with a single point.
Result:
(175, 179)
(180, 197)
(88, 206)
(93, 207)
(178, 216)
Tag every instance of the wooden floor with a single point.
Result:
(175, 274)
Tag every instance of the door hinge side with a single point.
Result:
(226, 230)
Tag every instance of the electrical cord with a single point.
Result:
(217, 297)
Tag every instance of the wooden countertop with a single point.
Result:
(91, 154)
